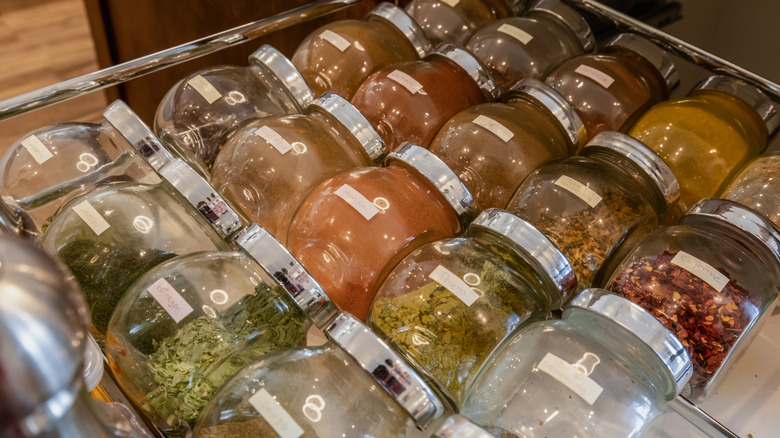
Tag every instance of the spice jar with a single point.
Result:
(352, 229)
(531, 46)
(354, 385)
(494, 146)
(458, 426)
(756, 186)
(709, 135)
(410, 101)
(457, 20)
(613, 88)
(200, 111)
(340, 55)
(450, 303)
(606, 369)
(712, 279)
(268, 166)
(596, 206)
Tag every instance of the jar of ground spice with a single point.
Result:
(758, 187)
(457, 20)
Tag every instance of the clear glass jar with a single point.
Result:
(200, 111)
(493, 147)
(268, 166)
(352, 229)
(613, 88)
(410, 101)
(457, 20)
(712, 279)
(340, 55)
(354, 385)
(606, 369)
(597, 206)
(756, 186)
(532, 45)
(450, 303)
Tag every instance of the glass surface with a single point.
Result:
(455, 20)
(756, 186)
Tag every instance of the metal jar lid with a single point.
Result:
(472, 65)
(405, 24)
(546, 96)
(274, 62)
(651, 52)
(355, 122)
(439, 174)
(458, 426)
(134, 130)
(289, 273)
(528, 240)
(644, 326)
(746, 92)
(571, 18)
(387, 368)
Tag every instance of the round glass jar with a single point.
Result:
(597, 206)
(268, 166)
(708, 136)
(612, 89)
(354, 385)
(340, 55)
(606, 369)
(352, 229)
(450, 303)
(756, 186)
(410, 101)
(712, 279)
(456, 20)
(532, 45)
(493, 147)
(200, 111)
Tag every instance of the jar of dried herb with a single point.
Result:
(597, 206)
(757, 186)
(457, 20)
(450, 303)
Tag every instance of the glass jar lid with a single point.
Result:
(134, 130)
(390, 372)
(93, 364)
(746, 92)
(405, 24)
(289, 273)
(274, 62)
(472, 65)
(571, 18)
(14, 222)
(651, 52)
(458, 426)
(352, 119)
(644, 326)
(439, 174)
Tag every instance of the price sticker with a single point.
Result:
(579, 190)
(405, 81)
(275, 414)
(91, 217)
(454, 284)
(701, 269)
(359, 202)
(494, 127)
(451, 3)
(335, 39)
(37, 149)
(205, 89)
(170, 299)
(571, 376)
(516, 33)
(601, 78)
(274, 139)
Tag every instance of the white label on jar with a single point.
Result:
(496, 128)
(170, 300)
(91, 217)
(274, 139)
(202, 86)
(516, 33)
(275, 414)
(578, 189)
(357, 201)
(451, 3)
(337, 40)
(572, 376)
(701, 269)
(603, 79)
(454, 284)
(37, 149)
(405, 80)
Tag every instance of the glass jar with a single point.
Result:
(531, 46)
(458, 426)
(410, 101)
(200, 111)
(708, 136)
(756, 186)
(340, 55)
(493, 147)
(597, 206)
(712, 279)
(613, 88)
(268, 166)
(606, 369)
(352, 229)
(457, 20)
(449, 303)
(354, 385)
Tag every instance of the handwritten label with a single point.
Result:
(579, 190)
(454, 284)
(274, 139)
(91, 217)
(603, 79)
(516, 33)
(275, 415)
(170, 300)
(37, 149)
(572, 377)
(701, 269)
(496, 128)
(405, 81)
(202, 86)
(337, 40)
(357, 201)
(451, 3)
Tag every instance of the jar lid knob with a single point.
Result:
(652, 53)
(458, 426)
(127, 123)
(405, 24)
(571, 18)
(746, 92)
(472, 65)
(273, 61)
(352, 119)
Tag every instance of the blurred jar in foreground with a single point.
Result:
(757, 186)
(457, 20)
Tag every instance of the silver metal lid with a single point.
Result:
(289, 273)
(458, 426)
(558, 105)
(387, 368)
(137, 133)
(748, 93)
(405, 24)
(530, 241)
(644, 326)
(202, 196)
(352, 119)
(571, 18)
(652, 53)
(439, 174)
(472, 65)
(273, 61)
